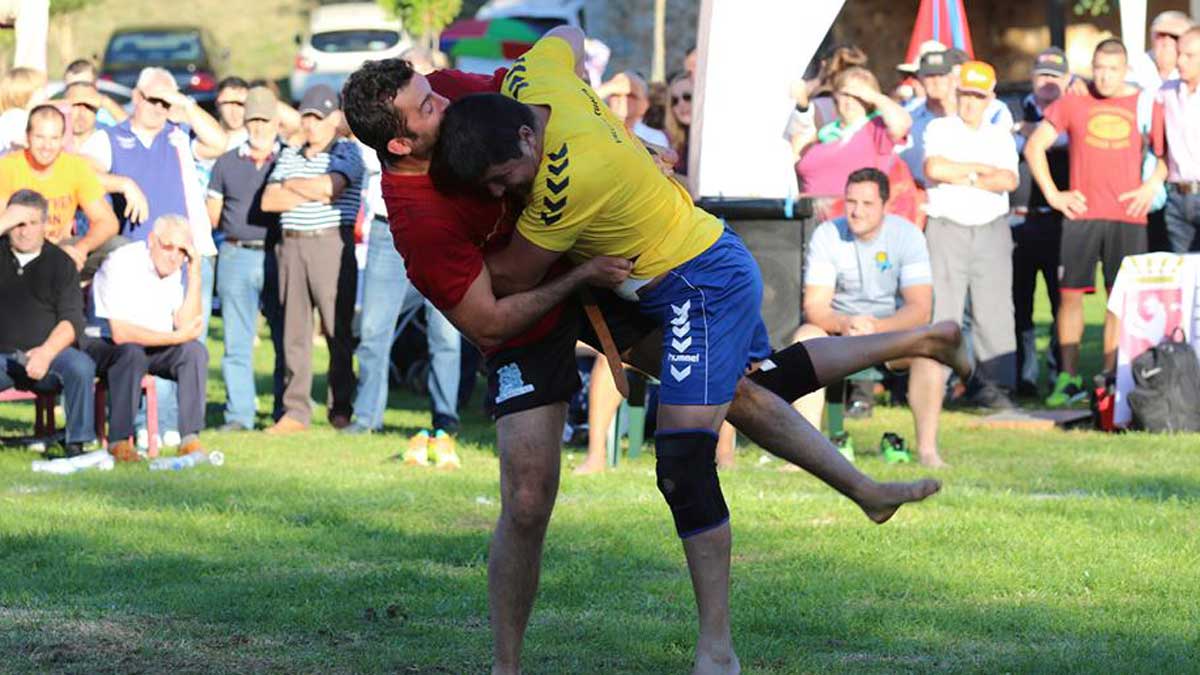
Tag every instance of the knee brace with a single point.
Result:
(788, 373)
(687, 477)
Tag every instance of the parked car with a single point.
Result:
(340, 37)
(188, 52)
(540, 14)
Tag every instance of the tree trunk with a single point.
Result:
(658, 70)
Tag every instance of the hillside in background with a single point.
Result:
(259, 34)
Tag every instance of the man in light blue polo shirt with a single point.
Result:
(866, 273)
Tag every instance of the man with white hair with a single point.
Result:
(158, 148)
(147, 321)
(629, 98)
(1150, 69)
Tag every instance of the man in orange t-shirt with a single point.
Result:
(67, 182)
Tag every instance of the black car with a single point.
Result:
(187, 51)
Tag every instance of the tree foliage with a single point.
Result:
(424, 18)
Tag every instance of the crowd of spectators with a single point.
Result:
(937, 204)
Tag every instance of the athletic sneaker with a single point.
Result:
(1068, 389)
(894, 449)
(844, 445)
(417, 453)
(444, 456)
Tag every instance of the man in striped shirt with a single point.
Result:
(317, 189)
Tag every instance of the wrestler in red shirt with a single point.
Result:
(444, 241)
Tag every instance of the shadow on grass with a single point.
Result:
(299, 562)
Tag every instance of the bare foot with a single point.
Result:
(933, 461)
(883, 499)
(943, 342)
(589, 467)
(707, 664)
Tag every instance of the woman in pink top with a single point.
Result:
(868, 128)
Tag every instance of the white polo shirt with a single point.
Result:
(128, 288)
(950, 138)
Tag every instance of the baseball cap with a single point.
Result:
(926, 47)
(320, 101)
(1052, 61)
(260, 104)
(956, 56)
(977, 76)
(934, 63)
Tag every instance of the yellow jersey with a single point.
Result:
(69, 183)
(598, 191)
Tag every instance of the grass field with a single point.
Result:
(1058, 552)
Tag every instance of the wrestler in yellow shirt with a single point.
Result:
(598, 190)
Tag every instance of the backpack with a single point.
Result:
(1166, 394)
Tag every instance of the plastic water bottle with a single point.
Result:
(187, 461)
(99, 459)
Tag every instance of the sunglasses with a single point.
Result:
(683, 97)
(160, 102)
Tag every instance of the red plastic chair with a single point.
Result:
(43, 424)
(151, 393)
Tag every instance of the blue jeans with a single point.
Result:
(168, 397)
(73, 373)
(1183, 221)
(386, 294)
(248, 280)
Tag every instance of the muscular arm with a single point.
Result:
(917, 310)
(1035, 155)
(123, 332)
(519, 266)
(324, 188)
(574, 37)
(277, 198)
(213, 205)
(102, 226)
(489, 322)
(818, 310)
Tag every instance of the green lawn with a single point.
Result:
(1062, 552)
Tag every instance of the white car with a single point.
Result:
(340, 37)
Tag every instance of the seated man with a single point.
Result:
(866, 273)
(39, 284)
(153, 324)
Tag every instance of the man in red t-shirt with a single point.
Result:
(529, 337)
(1106, 205)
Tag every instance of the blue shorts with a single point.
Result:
(711, 312)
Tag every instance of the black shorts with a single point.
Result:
(544, 372)
(1086, 242)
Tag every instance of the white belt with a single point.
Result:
(630, 287)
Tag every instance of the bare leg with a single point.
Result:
(530, 454)
(603, 402)
(834, 358)
(771, 423)
(811, 406)
(926, 389)
(1070, 329)
(727, 447)
(708, 557)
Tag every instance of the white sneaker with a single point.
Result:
(172, 439)
(143, 439)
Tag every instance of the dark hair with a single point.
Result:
(1112, 46)
(367, 104)
(45, 110)
(79, 66)
(478, 132)
(871, 175)
(231, 82)
(32, 199)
